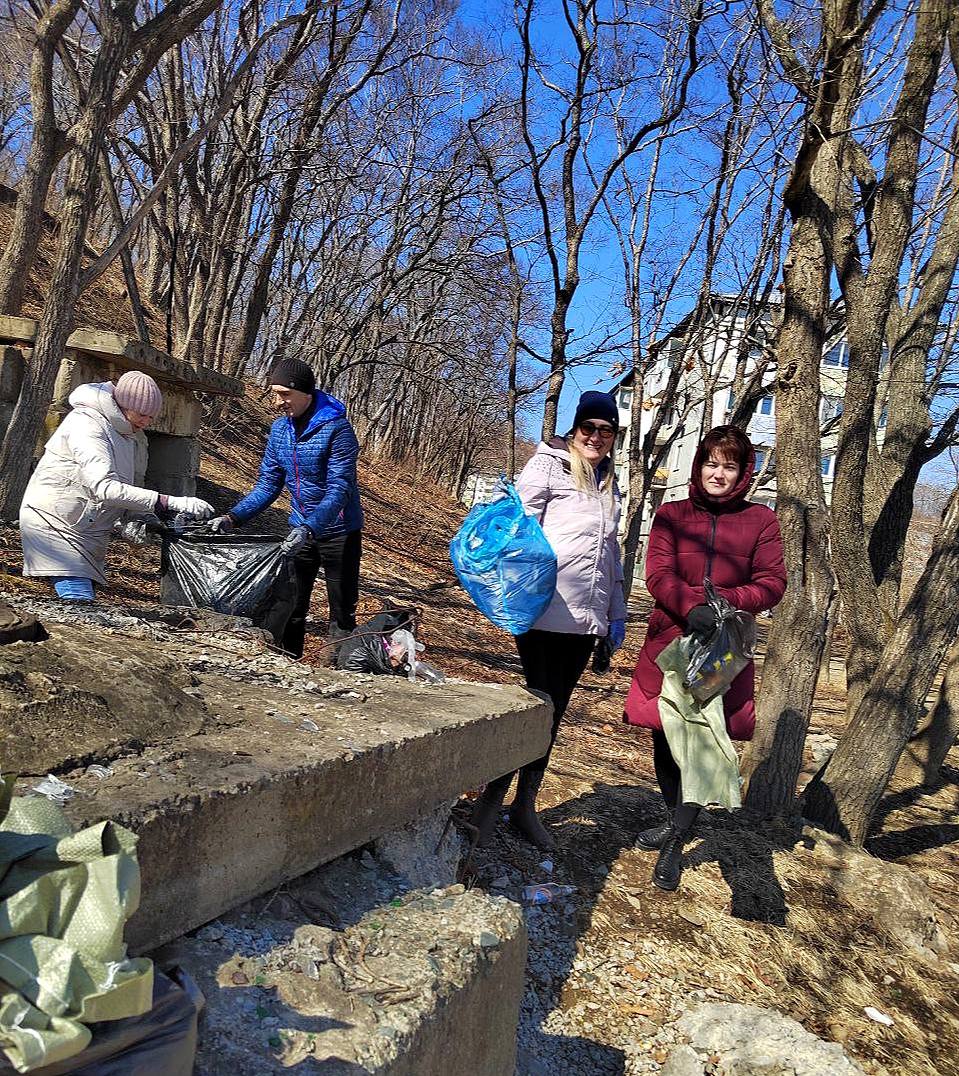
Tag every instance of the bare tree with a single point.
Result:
(555, 149)
(864, 226)
(50, 142)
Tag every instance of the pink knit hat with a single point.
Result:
(136, 391)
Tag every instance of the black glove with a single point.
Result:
(602, 653)
(701, 621)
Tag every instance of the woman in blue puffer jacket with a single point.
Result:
(312, 452)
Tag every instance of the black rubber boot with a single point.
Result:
(522, 811)
(651, 839)
(486, 810)
(669, 866)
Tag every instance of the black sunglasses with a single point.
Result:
(590, 429)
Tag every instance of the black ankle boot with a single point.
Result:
(669, 866)
(486, 810)
(522, 811)
(651, 839)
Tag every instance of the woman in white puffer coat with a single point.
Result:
(83, 485)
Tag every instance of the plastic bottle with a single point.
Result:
(546, 893)
(430, 674)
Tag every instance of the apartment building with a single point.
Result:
(734, 333)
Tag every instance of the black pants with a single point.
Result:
(669, 777)
(340, 560)
(552, 663)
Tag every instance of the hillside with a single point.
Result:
(104, 305)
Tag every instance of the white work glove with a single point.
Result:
(134, 531)
(295, 541)
(222, 524)
(190, 506)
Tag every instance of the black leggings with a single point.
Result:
(553, 662)
(670, 783)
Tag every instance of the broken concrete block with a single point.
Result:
(894, 898)
(753, 1041)
(402, 986)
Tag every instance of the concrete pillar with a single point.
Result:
(11, 377)
(173, 464)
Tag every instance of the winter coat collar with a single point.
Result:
(324, 409)
(97, 399)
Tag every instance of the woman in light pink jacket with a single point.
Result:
(570, 487)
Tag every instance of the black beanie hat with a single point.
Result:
(600, 405)
(293, 374)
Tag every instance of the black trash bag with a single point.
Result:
(730, 647)
(239, 575)
(161, 1042)
(366, 649)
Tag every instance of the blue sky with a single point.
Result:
(686, 170)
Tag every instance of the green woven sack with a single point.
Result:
(64, 900)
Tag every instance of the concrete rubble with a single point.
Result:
(349, 971)
(315, 804)
(747, 1040)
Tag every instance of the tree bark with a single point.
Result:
(797, 636)
(925, 753)
(45, 150)
(557, 367)
(870, 294)
(843, 796)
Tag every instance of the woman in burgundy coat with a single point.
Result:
(717, 533)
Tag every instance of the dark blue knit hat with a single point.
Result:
(601, 405)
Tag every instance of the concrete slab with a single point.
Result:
(290, 767)
(127, 353)
(394, 983)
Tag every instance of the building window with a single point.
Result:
(730, 401)
(621, 440)
(830, 408)
(626, 397)
(837, 355)
(674, 352)
(883, 418)
(766, 405)
(760, 459)
(825, 465)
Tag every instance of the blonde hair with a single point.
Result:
(584, 477)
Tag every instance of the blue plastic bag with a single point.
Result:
(504, 561)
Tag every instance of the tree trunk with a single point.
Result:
(869, 295)
(516, 316)
(937, 733)
(46, 148)
(557, 366)
(639, 484)
(639, 481)
(843, 796)
(798, 634)
(126, 259)
(36, 393)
